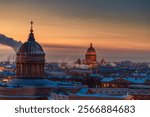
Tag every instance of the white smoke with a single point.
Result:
(69, 63)
(10, 42)
(112, 64)
(81, 66)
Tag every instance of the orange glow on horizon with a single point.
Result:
(80, 33)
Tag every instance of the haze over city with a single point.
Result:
(119, 30)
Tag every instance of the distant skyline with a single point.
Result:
(118, 28)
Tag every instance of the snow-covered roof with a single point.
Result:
(1, 83)
(80, 70)
(94, 75)
(2, 65)
(136, 80)
(83, 91)
(32, 82)
(108, 79)
(22, 96)
(104, 95)
(55, 73)
(140, 86)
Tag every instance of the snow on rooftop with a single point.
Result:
(104, 95)
(56, 73)
(136, 80)
(108, 79)
(94, 75)
(140, 86)
(83, 91)
(32, 82)
(81, 70)
(1, 83)
(82, 66)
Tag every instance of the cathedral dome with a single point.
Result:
(90, 56)
(91, 49)
(30, 47)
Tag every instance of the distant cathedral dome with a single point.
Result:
(90, 56)
(91, 49)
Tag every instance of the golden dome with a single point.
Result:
(91, 49)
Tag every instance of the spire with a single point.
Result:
(90, 44)
(31, 35)
(31, 30)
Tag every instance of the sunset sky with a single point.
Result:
(117, 28)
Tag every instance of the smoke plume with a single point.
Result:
(10, 42)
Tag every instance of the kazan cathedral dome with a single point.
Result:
(90, 57)
(30, 59)
(30, 62)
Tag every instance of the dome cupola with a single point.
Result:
(90, 49)
(31, 47)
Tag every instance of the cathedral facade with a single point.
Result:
(90, 58)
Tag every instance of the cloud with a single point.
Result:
(121, 11)
(134, 11)
(61, 46)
